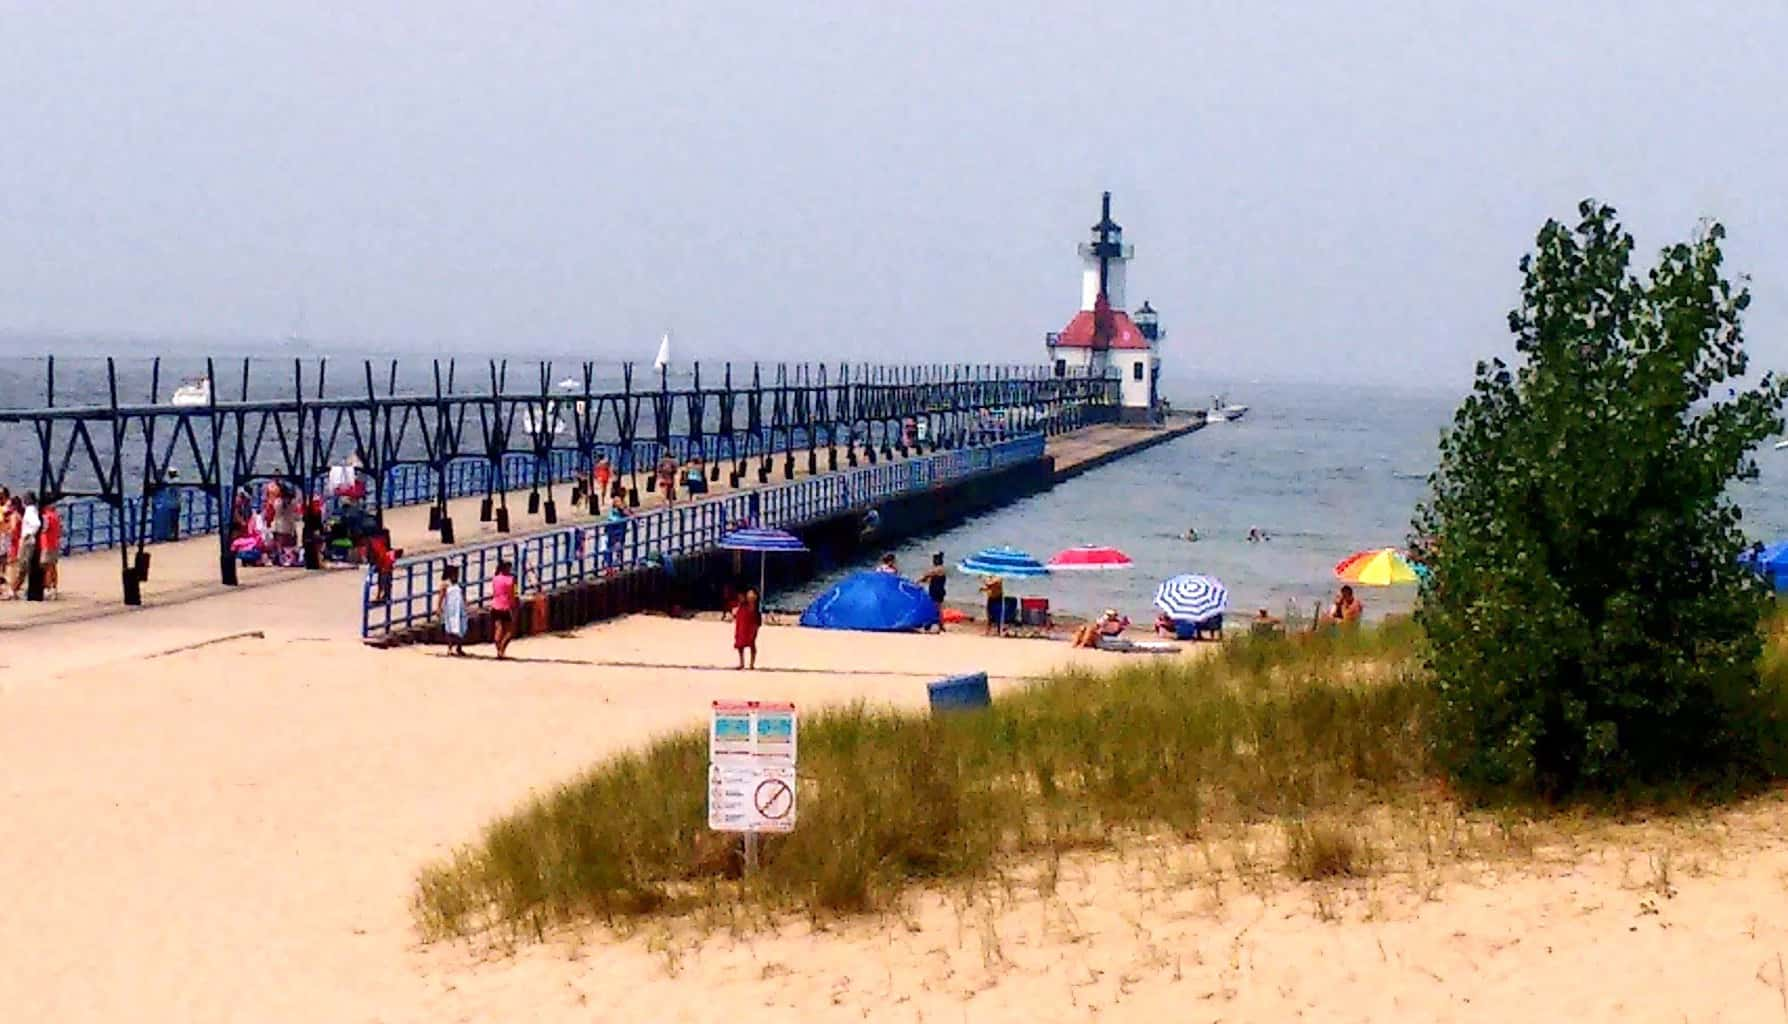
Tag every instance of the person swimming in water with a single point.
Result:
(1191, 534)
(1256, 535)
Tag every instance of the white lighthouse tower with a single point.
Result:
(1102, 339)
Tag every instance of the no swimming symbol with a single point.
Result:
(773, 799)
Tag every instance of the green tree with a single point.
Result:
(1591, 625)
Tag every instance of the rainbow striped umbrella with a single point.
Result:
(1379, 567)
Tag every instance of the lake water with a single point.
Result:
(1323, 471)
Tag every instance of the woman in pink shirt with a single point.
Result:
(503, 599)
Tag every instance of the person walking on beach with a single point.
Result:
(746, 620)
(450, 605)
(995, 589)
(503, 604)
(667, 478)
(935, 579)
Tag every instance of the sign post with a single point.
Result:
(751, 770)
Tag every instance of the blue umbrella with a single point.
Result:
(1003, 561)
(766, 542)
(1191, 598)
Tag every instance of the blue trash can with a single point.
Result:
(960, 693)
(164, 516)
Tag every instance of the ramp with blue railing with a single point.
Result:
(563, 557)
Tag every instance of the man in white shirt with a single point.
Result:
(30, 525)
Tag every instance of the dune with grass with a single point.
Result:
(275, 827)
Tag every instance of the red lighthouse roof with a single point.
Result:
(1101, 328)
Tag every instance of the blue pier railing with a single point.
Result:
(564, 556)
(89, 525)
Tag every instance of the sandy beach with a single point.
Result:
(232, 831)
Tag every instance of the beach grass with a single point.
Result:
(1305, 733)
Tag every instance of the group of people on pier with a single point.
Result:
(30, 540)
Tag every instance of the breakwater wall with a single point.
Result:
(683, 544)
(705, 581)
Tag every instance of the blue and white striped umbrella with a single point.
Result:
(1003, 561)
(756, 538)
(1192, 598)
(766, 542)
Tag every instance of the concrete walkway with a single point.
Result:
(187, 570)
(326, 602)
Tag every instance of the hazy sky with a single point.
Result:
(1337, 189)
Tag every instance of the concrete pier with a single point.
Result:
(1091, 447)
(184, 572)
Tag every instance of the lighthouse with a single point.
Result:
(1104, 341)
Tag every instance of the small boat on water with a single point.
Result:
(570, 384)
(196, 391)
(1222, 411)
(1782, 444)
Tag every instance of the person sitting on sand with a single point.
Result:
(888, 565)
(1347, 608)
(746, 620)
(1164, 625)
(1110, 624)
(1264, 623)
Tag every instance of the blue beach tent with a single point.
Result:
(876, 601)
(1772, 562)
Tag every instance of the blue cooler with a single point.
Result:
(960, 693)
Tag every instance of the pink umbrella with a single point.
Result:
(1089, 558)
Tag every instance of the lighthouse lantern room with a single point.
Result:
(1102, 339)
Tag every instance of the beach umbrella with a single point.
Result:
(1379, 567)
(1003, 561)
(1090, 558)
(766, 542)
(1192, 598)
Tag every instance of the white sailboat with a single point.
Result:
(664, 353)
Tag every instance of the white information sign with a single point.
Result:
(751, 767)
